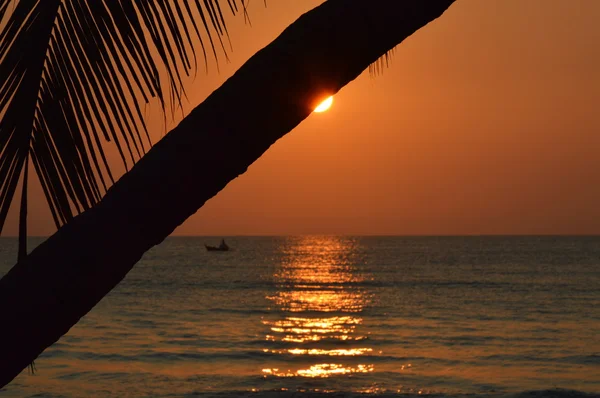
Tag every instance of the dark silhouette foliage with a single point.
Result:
(74, 75)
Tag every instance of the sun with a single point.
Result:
(323, 106)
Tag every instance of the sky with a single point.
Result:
(486, 122)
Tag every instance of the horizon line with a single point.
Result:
(362, 235)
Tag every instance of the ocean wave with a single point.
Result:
(286, 393)
(592, 359)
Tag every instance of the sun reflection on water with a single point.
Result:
(321, 304)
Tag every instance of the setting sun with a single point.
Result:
(323, 106)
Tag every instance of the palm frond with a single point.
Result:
(73, 74)
(383, 62)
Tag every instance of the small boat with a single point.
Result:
(221, 248)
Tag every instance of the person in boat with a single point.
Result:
(223, 245)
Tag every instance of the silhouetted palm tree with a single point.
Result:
(71, 75)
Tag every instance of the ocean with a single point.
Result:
(337, 316)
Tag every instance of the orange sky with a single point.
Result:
(487, 122)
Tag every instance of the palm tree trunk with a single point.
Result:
(42, 297)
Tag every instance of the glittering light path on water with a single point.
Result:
(321, 311)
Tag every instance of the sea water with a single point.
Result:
(337, 316)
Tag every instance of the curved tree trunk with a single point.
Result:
(42, 297)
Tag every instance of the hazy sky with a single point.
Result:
(487, 122)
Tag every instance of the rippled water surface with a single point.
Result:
(489, 316)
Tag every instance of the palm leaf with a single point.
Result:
(73, 74)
